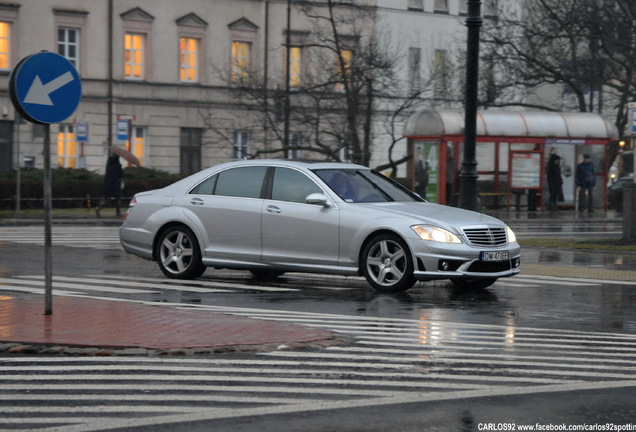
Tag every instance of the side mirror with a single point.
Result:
(318, 199)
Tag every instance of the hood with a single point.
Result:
(440, 215)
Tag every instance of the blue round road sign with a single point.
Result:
(45, 88)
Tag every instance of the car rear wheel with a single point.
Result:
(387, 264)
(178, 254)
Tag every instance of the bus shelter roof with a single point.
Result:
(536, 124)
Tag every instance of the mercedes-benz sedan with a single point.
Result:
(277, 216)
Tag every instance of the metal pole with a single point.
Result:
(468, 176)
(48, 219)
(18, 172)
(109, 122)
(287, 79)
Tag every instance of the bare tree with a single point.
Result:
(585, 46)
(348, 70)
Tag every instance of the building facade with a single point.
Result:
(168, 80)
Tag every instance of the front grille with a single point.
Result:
(486, 236)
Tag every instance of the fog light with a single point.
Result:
(445, 266)
(517, 262)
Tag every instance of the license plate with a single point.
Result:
(494, 256)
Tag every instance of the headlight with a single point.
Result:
(511, 235)
(433, 233)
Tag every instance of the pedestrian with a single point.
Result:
(585, 179)
(112, 185)
(555, 182)
(421, 173)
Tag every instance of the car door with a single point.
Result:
(227, 209)
(295, 232)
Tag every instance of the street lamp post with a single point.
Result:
(287, 108)
(468, 176)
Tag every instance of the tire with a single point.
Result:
(387, 264)
(476, 284)
(178, 253)
(266, 274)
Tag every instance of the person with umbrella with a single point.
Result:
(112, 185)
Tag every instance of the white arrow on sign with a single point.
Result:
(39, 93)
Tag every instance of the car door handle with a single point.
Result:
(273, 209)
(196, 201)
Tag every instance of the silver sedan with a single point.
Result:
(276, 216)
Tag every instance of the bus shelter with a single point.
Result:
(511, 151)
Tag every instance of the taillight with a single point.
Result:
(130, 206)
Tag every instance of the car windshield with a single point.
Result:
(359, 186)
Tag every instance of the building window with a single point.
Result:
(240, 148)
(134, 56)
(191, 141)
(440, 74)
(417, 5)
(441, 6)
(240, 62)
(137, 143)
(414, 77)
(344, 68)
(66, 147)
(189, 59)
(295, 66)
(490, 8)
(5, 46)
(68, 44)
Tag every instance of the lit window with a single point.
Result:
(440, 71)
(189, 59)
(137, 143)
(68, 45)
(344, 68)
(5, 43)
(241, 144)
(240, 62)
(66, 147)
(294, 66)
(134, 56)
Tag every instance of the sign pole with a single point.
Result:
(48, 222)
(45, 88)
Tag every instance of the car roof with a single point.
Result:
(306, 164)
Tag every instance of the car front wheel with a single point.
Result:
(178, 254)
(387, 264)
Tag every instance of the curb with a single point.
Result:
(12, 348)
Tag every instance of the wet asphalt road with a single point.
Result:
(517, 304)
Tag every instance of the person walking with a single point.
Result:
(112, 185)
(555, 182)
(585, 179)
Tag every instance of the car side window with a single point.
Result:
(293, 186)
(245, 182)
(206, 187)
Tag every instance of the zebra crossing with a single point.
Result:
(96, 237)
(389, 361)
(116, 285)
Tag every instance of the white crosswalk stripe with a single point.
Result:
(95, 237)
(388, 361)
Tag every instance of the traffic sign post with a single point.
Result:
(45, 88)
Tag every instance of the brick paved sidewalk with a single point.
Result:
(116, 327)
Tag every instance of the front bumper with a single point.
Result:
(463, 262)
